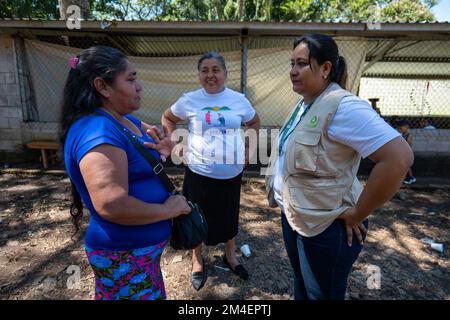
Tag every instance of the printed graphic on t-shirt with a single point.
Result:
(221, 120)
(213, 117)
(215, 144)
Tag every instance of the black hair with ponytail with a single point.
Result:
(323, 48)
(80, 97)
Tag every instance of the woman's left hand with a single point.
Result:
(353, 224)
(163, 144)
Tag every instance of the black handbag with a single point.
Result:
(188, 231)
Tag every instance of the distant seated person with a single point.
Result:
(425, 124)
(403, 128)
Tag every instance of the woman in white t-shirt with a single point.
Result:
(215, 157)
(324, 208)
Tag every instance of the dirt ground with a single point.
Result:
(39, 260)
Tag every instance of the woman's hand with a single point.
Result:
(163, 144)
(177, 205)
(353, 224)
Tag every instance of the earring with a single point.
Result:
(324, 77)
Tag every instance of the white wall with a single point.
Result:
(432, 141)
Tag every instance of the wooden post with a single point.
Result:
(44, 158)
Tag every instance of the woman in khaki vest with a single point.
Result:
(313, 178)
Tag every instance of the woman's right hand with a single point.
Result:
(163, 143)
(177, 205)
(353, 225)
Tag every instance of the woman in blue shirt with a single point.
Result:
(130, 209)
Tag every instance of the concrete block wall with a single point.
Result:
(10, 101)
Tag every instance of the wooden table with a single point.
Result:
(45, 146)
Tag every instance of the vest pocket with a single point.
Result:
(323, 198)
(306, 150)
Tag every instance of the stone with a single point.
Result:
(402, 195)
(226, 291)
(12, 243)
(177, 258)
(354, 296)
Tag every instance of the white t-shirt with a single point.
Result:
(354, 124)
(215, 146)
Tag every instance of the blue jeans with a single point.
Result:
(322, 263)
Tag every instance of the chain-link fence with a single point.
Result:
(407, 80)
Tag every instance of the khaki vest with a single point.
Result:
(319, 177)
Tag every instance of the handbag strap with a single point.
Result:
(157, 166)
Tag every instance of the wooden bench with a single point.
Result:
(45, 146)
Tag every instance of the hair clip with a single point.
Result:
(73, 62)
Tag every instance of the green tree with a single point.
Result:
(247, 10)
(187, 10)
(82, 4)
(299, 10)
(161, 9)
(231, 10)
(357, 10)
(132, 9)
(407, 11)
(106, 9)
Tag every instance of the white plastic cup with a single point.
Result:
(245, 249)
(437, 246)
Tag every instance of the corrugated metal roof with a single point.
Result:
(151, 46)
(176, 45)
(410, 51)
(409, 70)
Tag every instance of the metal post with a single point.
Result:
(244, 43)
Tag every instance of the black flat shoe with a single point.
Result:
(239, 270)
(198, 278)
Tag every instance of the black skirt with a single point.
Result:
(219, 200)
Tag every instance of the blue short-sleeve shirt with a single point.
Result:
(84, 135)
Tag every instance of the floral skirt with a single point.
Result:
(128, 274)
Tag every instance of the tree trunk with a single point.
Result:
(240, 10)
(268, 9)
(83, 4)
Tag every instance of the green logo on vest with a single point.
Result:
(313, 122)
